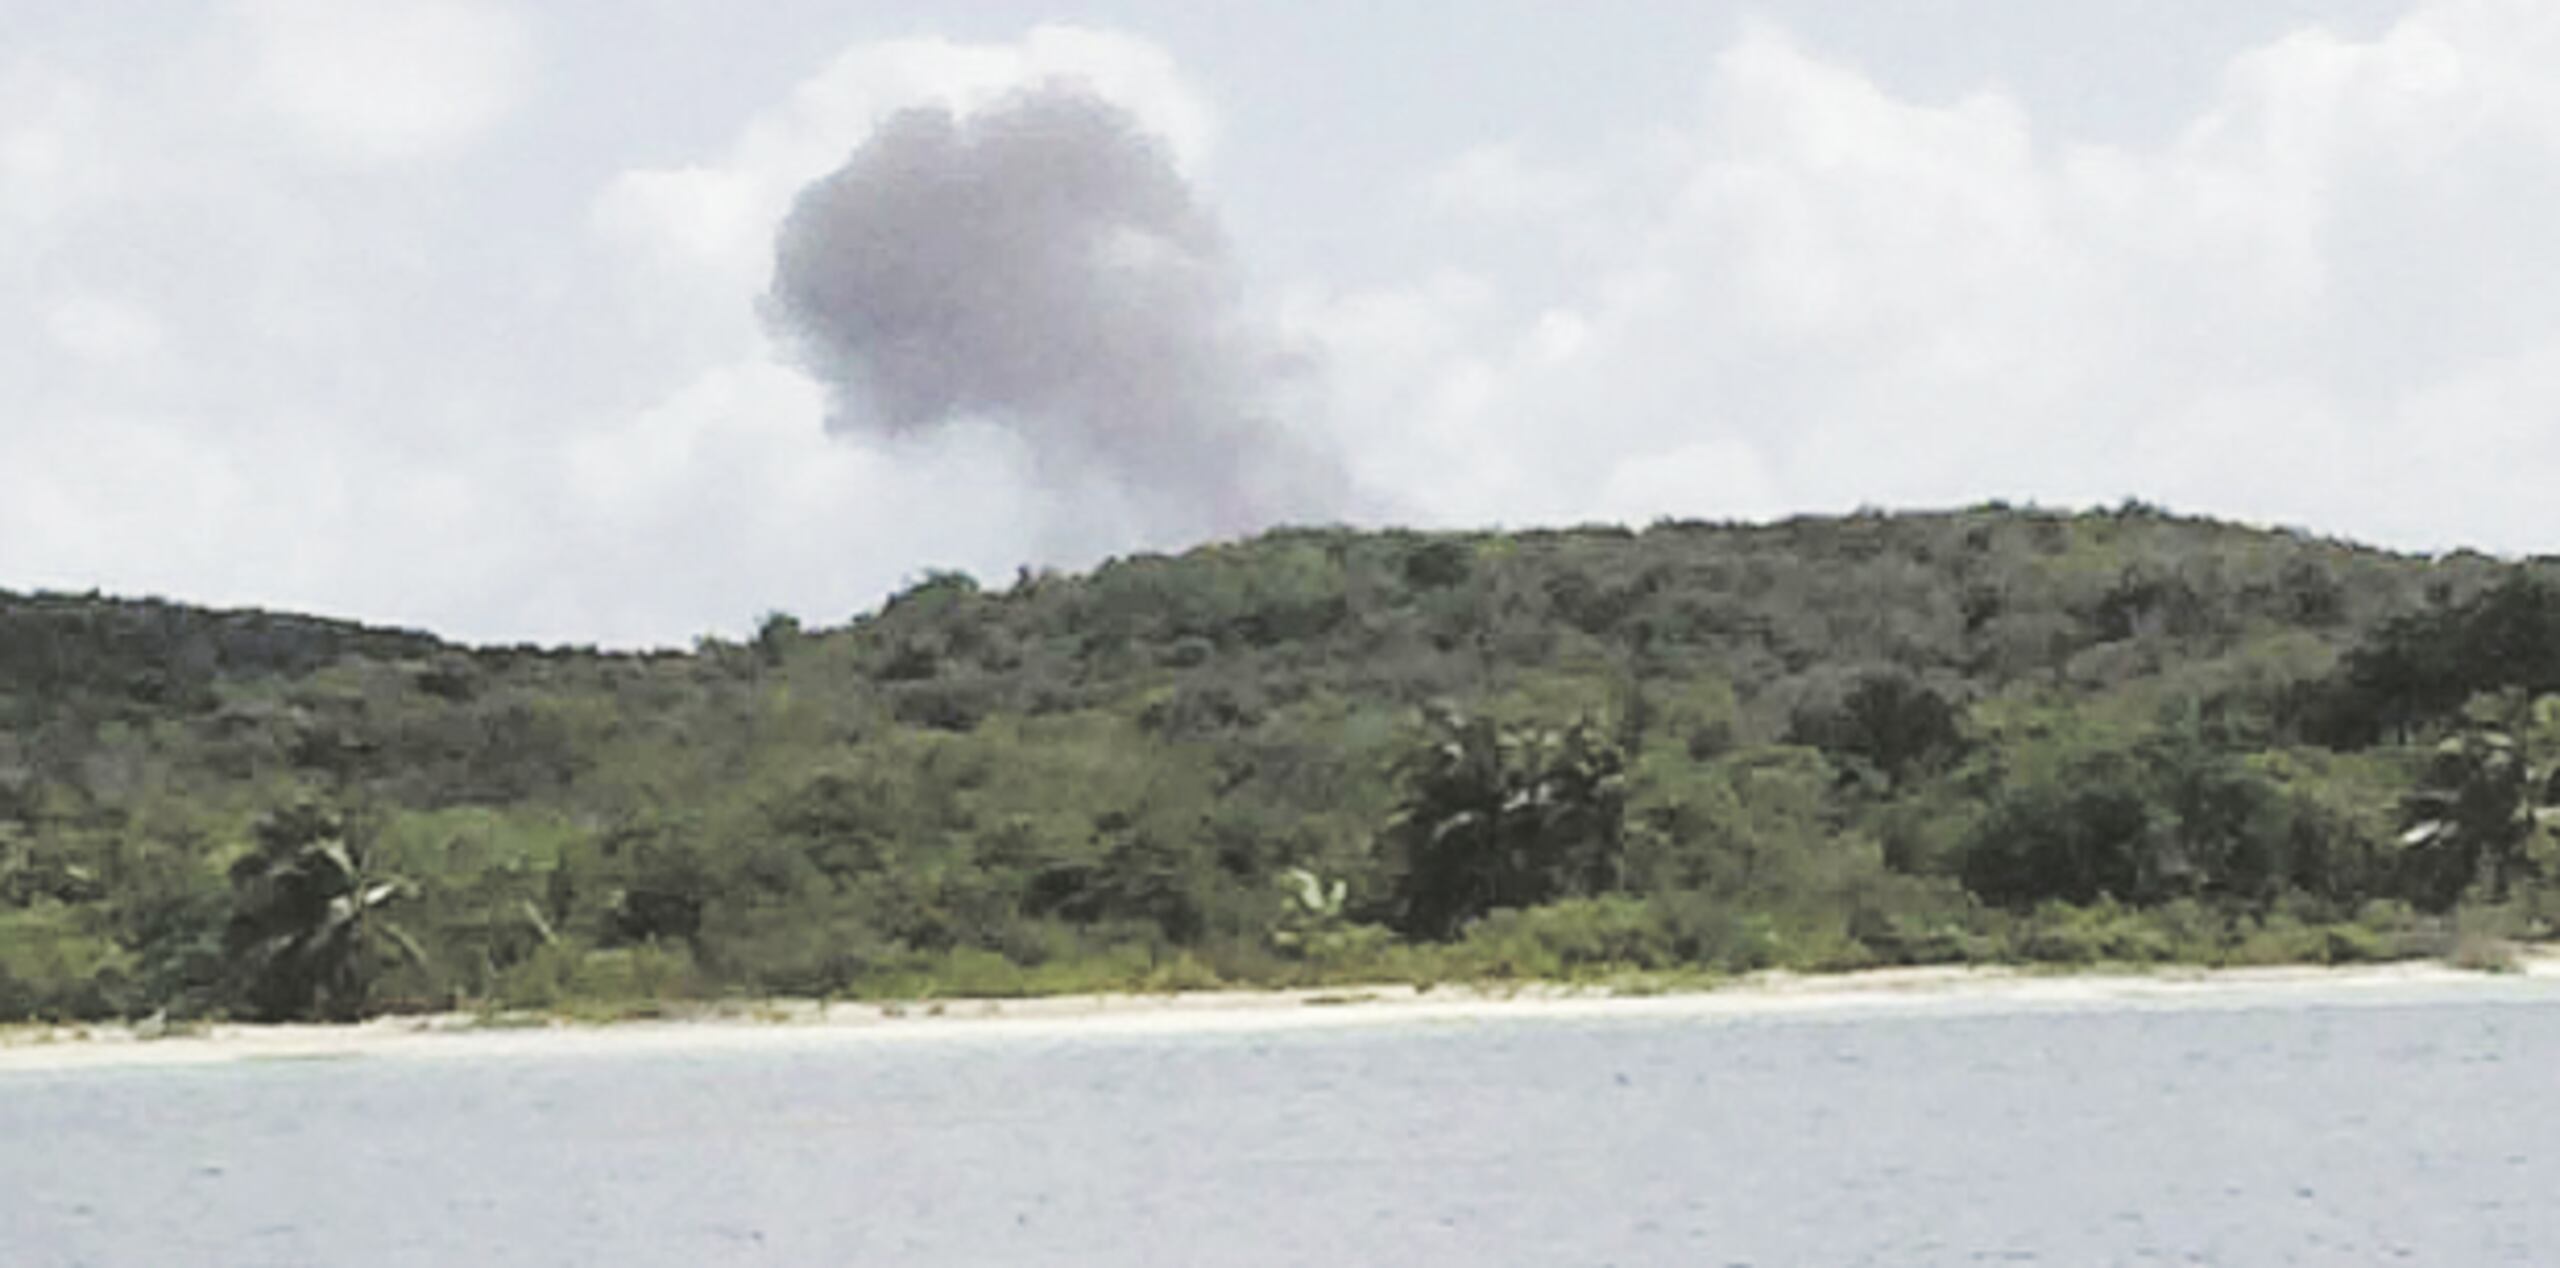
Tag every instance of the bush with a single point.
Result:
(629, 980)
(1713, 932)
(1565, 940)
(55, 968)
(2101, 932)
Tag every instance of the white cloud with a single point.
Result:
(2332, 290)
(2326, 297)
(102, 329)
(377, 80)
(52, 156)
(730, 495)
(1723, 474)
(1498, 182)
(225, 384)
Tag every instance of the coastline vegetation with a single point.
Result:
(1318, 758)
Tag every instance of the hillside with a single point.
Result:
(1316, 755)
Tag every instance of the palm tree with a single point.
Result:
(1504, 816)
(1311, 911)
(307, 923)
(2476, 812)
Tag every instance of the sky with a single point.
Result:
(627, 323)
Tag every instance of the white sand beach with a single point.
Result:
(787, 1024)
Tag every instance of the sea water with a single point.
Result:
(2295, 1128)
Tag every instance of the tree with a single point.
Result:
(2421, 667)
(1311, 911)
(776, 636)
(2092, 834)
(1899, 727)
(2480, 804)
(2167, 817)
(306, 924)
(1499, 816)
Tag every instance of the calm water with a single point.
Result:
(2421, 1130)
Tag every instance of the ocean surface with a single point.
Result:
(2299, 1128)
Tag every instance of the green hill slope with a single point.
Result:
(1316, 755)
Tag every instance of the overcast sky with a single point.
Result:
(464, 313)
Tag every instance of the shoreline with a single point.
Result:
(775, 1025)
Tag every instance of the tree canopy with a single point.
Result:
(1315, 755)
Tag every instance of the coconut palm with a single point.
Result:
(1505, 816)
(307, 923)
(2479, 808)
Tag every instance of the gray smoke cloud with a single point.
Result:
(1043, 266)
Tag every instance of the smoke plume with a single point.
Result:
(1042, 266)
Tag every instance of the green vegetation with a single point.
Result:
(1314, 758)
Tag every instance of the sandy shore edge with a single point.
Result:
(783, 1024)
